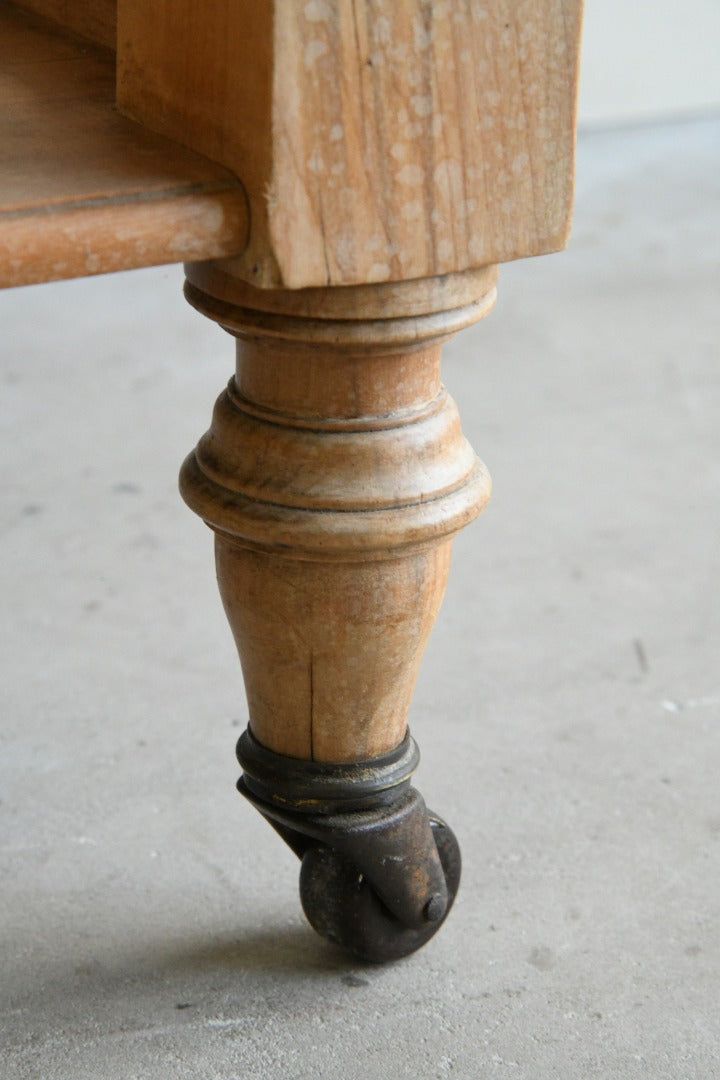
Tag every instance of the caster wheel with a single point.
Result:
(341, 905)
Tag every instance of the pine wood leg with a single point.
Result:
(335, 475)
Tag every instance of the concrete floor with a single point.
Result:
(568, 709)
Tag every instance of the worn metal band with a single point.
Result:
(319, 787)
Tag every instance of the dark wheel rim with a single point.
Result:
(342, 906)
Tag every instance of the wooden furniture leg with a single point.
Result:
(392, 152)
(357, 168)
(335, 475)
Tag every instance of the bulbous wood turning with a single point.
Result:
(334, 475)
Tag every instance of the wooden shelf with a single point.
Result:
(83, 190)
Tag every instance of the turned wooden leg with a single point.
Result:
(335, 475)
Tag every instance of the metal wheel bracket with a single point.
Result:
(393, 846)
(363, 826)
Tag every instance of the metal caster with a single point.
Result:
(379, 872)
(341, 904)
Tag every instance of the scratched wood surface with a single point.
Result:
(378, 140)
(83, 190)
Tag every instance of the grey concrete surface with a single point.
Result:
(568, 709)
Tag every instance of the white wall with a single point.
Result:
(646, 59)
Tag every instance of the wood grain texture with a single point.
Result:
(330, 652)
(95, 20)
(84, 237)
(448, 142)
(83, 190)
(201, 74)
(378, 140)
(335, 475)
